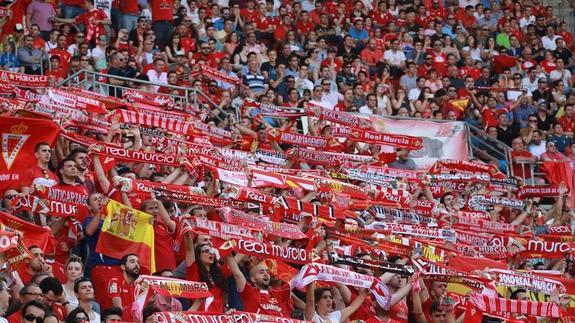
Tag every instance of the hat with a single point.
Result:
(331, 50)
(18, 27)
(542, 80)
(180, 53)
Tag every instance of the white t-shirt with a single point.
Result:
(394, 59)
(333, 317)
(365, 110)
(154, 77)
(537, 151)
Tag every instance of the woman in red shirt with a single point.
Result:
(202, 266)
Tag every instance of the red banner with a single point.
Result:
(19, 136)
(24, 80)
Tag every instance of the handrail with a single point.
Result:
(95, 76)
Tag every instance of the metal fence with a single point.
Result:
(100, 83)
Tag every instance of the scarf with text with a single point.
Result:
(399, 216)
(479, 201)
(461, 166)
(413, 230)
(388, 139)
(538, 191)
(260, 250)
(375, 265)
(318, 157)
(222, 230)
(316, 271)
(147, 286)
(76, 101)
(207, 317)
(214, 74)
(527, 281)
(297, 139)
(25, 80)
(283, 230)
(156, 99)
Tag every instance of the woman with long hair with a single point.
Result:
(74, 270)
(202, 266)
(174, 47)
(319, 305)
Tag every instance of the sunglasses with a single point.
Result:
(32, 318)
(10, 197)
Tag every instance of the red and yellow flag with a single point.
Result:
(126, 230)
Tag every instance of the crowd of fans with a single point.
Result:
(503, 67)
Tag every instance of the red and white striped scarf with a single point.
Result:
(154, 120)
(496, 304)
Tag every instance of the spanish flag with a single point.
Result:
(459, 104)
(126, 230)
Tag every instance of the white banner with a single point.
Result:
(441, 140)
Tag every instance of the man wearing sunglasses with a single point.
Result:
(33, 311)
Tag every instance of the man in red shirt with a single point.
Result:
(521, 159)
(39, 174)
(567, 121)
(164, 227)
(62, 52)
(372, 56)
(33, 265)
(93, 20)
(120, 292)
(70, 190)
(261, 297)
(56, 71)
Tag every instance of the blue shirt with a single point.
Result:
(95, 258)
(358, 34)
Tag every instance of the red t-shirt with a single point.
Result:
(118, 287)
(35, 176)
(276, 301)
(519, 167)
(490, 117)
(129, 7)
(248, 14)
(93, 30)
(365, 311)
(164, 248)
(217, 305)
(568, 125)
(399, 311)
(64, 55)
(162, 10)
(304, 27)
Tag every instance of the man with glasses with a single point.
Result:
(30, 292)
(9, 200)
(33, 312)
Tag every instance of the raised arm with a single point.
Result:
(346, 312)
(310, 302)
(238, 275)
